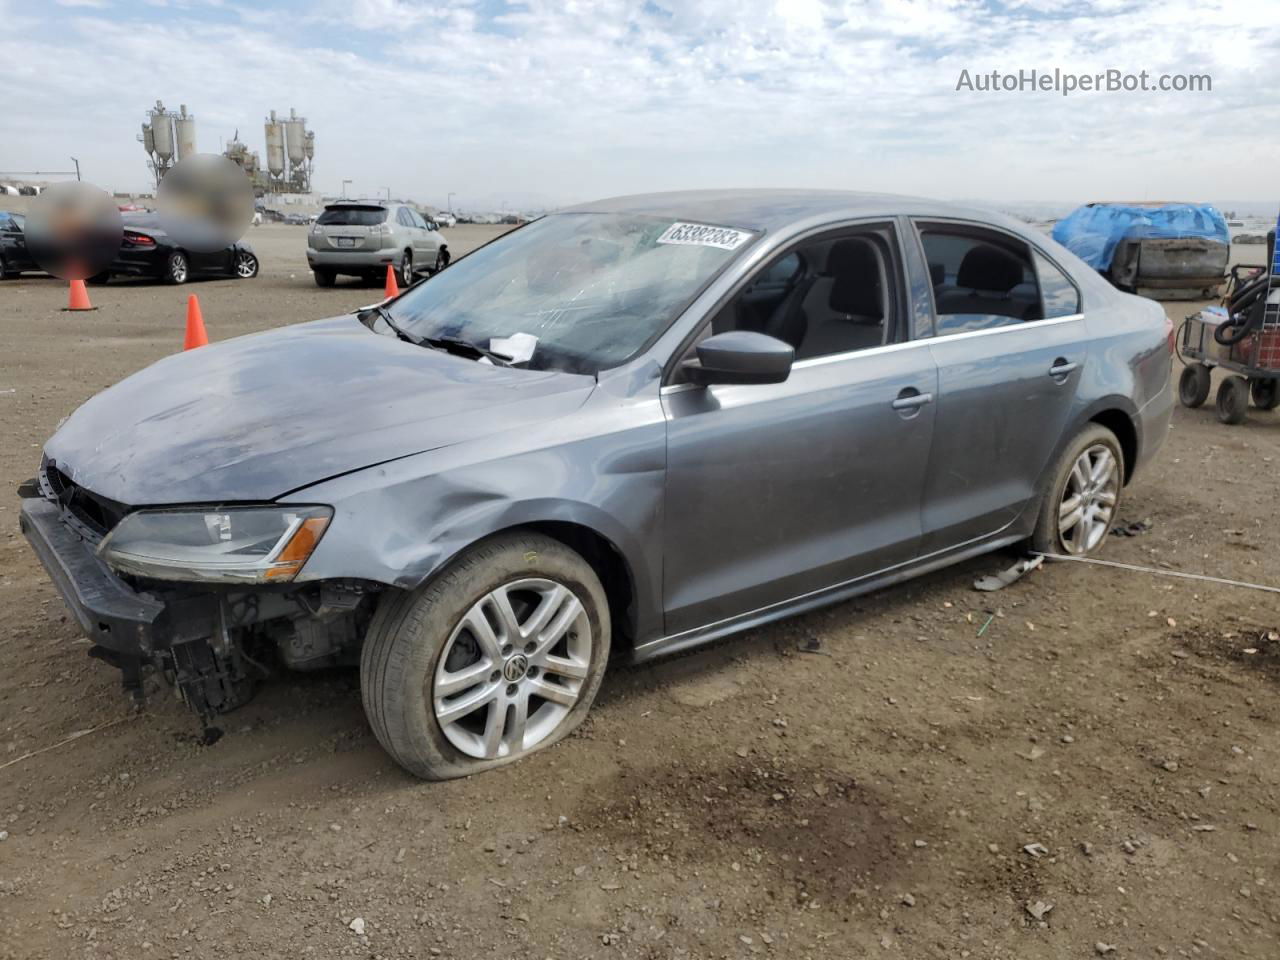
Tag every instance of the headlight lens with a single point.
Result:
(224, 544)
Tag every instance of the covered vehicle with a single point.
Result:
(147, 250)
(1172, 251)
(627, 428)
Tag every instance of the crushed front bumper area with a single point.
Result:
(110, 612)
(214, 643)
(186, 638)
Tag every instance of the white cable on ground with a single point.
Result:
(1158, 572)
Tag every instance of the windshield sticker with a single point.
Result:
(700, 235)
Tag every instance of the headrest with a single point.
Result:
(989, 268)
(855, 266)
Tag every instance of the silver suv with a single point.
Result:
(361, 238)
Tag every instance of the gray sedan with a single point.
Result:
(622, 430)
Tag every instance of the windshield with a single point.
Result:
(580, 292)
(352, 216)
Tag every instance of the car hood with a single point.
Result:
(260, 416)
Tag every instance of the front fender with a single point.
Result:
(400, 523)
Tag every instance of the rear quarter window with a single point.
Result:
(1060, 296)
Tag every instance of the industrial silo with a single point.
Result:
(162, 133)
(148, 140)
(275, 145)
(295, 138)
(185, 128)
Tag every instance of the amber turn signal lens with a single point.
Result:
(298, 549)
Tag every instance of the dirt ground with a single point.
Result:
(1094, 746)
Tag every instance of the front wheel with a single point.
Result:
(406, 269)
(1083, 498)
(176, 269)
(499, 656)
(246, 265)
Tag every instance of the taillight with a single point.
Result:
(138, 239)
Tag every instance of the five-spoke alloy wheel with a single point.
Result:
(512, 669)
(499, 655)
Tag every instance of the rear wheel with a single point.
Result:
(5, 273)
(1233, 400)
(1265, 394)
(99, 279)
(246, 265)
(499, 656)
(1193, 385)
(406, 268)
(177, 270)
(1080, 506)
(324, 278)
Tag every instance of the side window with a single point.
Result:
(403, 218)
(1060, 296)
(980, 280)
(832, 295)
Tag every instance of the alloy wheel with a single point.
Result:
(246, 266)
(406, 269)
(1088, 502)
(178, 268)
(512, 668)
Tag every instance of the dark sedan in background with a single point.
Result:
(15, 259)
(147, 250)
(636, 425)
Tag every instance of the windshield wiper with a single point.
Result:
(466, 348)
(399, 331)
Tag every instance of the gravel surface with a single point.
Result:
(1083, 764)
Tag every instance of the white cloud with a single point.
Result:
(567, 100)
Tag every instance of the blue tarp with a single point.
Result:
(1092, 232)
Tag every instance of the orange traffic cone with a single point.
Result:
(196, 337)
(393, 288)
(78, 297)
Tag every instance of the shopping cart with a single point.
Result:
(1242, 336)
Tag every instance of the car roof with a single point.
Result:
(773, 209)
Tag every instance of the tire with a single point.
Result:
(1193, 385)
(177, 269)
(5, 273)
(324, 278)
(1233, 400)
(246, 265)
(417, 639)
(441, 262)
(99, 279)
(1088, 533)
(1265, 393)
(406, 268)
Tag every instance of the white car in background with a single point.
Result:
(445, 219)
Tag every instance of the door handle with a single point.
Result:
(1061, 368)
(910, 401)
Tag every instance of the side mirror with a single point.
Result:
(740, 356)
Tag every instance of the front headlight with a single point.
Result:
(226, 544)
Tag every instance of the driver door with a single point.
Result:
(776, 491)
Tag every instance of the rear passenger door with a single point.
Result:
(1010, 346)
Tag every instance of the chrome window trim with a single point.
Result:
(891, 347)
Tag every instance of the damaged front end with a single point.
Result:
(205, 597)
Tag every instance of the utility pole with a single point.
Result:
(344, 188)
(77, 163)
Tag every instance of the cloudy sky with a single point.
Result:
(544, 102)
